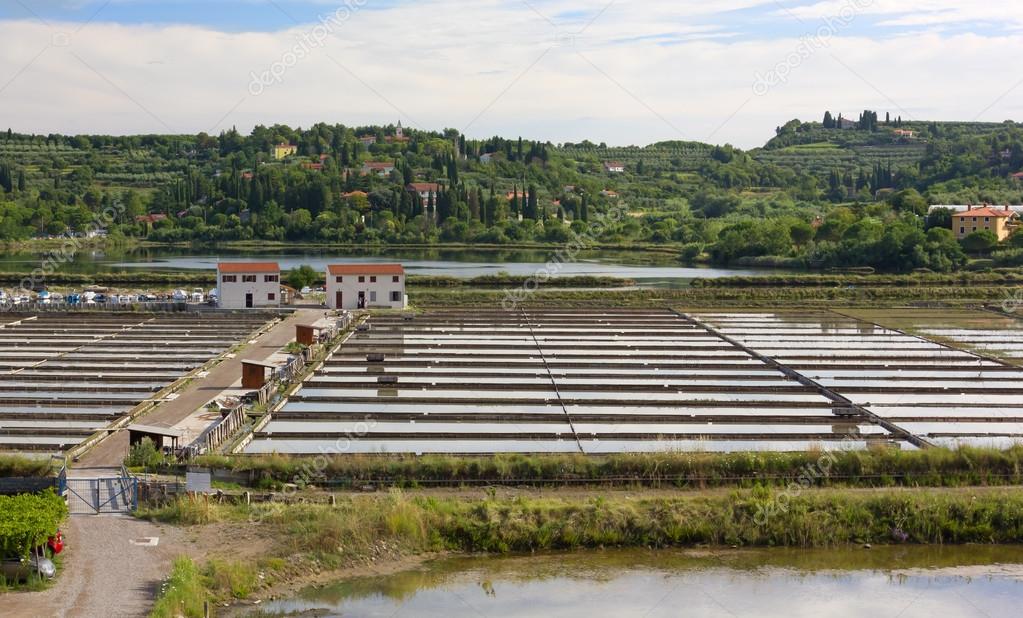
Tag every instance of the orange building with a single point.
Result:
(998, 221)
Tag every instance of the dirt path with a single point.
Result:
(113, 450)
(108, 570)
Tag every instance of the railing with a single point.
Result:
(216, 434)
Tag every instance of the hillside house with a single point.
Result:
(999, 221)
(284, 150)
(380, 168)
(423, 189)
(367, 140)
(248, 285)
(364, 286)
(614, 167)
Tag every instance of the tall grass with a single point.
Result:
(809, 519)
(872, 468)
(14, 465)
(183, 594)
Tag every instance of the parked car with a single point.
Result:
(15, 568)
(74, 298)
(99, 298)
(180, 296)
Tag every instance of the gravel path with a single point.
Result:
(105, 574)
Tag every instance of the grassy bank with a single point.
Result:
(363, 527)
(14, 465)
(207, 278)
(874, 468)
(996, 278)
(752, 297)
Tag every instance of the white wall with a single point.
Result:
(232, 295)
(350, 288)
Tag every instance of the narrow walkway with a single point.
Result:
(113, 450)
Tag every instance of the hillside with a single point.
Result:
(794, 200)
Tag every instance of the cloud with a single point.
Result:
(669, 70)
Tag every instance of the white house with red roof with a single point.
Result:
(423, 189)
(248, 285)
(366, 286)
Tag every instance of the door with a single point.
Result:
(248, 301)
(337, 300)
(362, 300)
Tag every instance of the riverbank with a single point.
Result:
(304, 541)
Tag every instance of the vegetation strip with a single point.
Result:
(357, 528)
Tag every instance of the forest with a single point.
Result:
(834, 193)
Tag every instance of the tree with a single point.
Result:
(302, 276)
(980, 243)
(829, 122)
(910, 201)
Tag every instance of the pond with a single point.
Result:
(647, 268)
(951, 582)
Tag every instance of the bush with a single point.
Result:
(145, 454)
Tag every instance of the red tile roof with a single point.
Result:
(422, 187)
(153, 218)
(985, 211)
(365, 269)
(249, 267)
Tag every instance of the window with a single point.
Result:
(395, 297)
(372, 297)
(975, 228)
(987, 219)
(271, 296)
(229, 278)
(362, 279)
(975, 219)
(962, 230)
(271, 278)
(248, 278)
(372, 279)
(338, 279)
(394, 278)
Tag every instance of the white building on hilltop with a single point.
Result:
(248, 285)
(365, 286)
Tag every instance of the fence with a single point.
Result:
(216, 434)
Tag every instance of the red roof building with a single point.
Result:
(365, 269)
(249, 267)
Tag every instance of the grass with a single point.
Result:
(13, 465)
(363, 526)
(823, 518)
(184, 592)
(872, 468)
(804, 296)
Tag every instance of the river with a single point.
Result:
(647, 268)
(902, 581)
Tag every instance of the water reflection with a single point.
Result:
(887, 581)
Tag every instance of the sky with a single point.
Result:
(621, 72)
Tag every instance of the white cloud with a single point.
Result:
(446, 64)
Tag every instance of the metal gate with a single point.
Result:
(92, 496)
